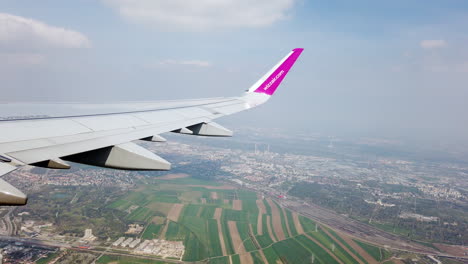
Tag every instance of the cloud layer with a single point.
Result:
(24, 33)
(203, 15)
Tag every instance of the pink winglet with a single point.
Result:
(273, 81)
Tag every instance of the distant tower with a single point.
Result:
(255, 148)
(268, 148)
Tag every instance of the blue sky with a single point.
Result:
(393, 69)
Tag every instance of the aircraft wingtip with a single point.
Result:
(268, 83)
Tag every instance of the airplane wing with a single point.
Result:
(102, 134)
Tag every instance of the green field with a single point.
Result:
(220, 260)
(141, 214)
(176, 232)
(377, 253)
(151, 231)
(207, 212)
(194, 248)
(235, 259)
(199, 231)
(336, 236)
(148, 203)
(267, 206)
(320, 254)
(329, 243)
(307, 224)
(243, 228)
(291, 251)
(227, 238)
(257, 258)
(191, 210)
(213, 237)
(271, 255)
(292, 227)
(265, 239)
(234, 215)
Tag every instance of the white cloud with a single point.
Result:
(24, 33)
(433, 43)
(203, 15)
(196, 63)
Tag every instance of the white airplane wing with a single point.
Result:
(102, 134)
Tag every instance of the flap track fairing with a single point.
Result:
(127, 156)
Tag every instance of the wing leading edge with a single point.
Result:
(102, 135)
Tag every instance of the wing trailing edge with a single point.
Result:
(127, 156)
(155, 138)
(9, 195)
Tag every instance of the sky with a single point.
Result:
(386, 69)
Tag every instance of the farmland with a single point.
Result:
(223, 224)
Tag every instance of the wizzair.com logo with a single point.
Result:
(273, 80)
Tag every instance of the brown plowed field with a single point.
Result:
(160, 207)
(297, 223)
(358, 249)
(276, 220)
(175, 211)
(262, 210)
(163, 232)
(259, 225)
(345, 248)
(246, 258)
(261, 206)
(263, 256)
(236, 239)
(453, 250)
(237, 205)
(217, 216)
(214, 195)
(217, 213)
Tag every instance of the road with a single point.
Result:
(9, 223)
